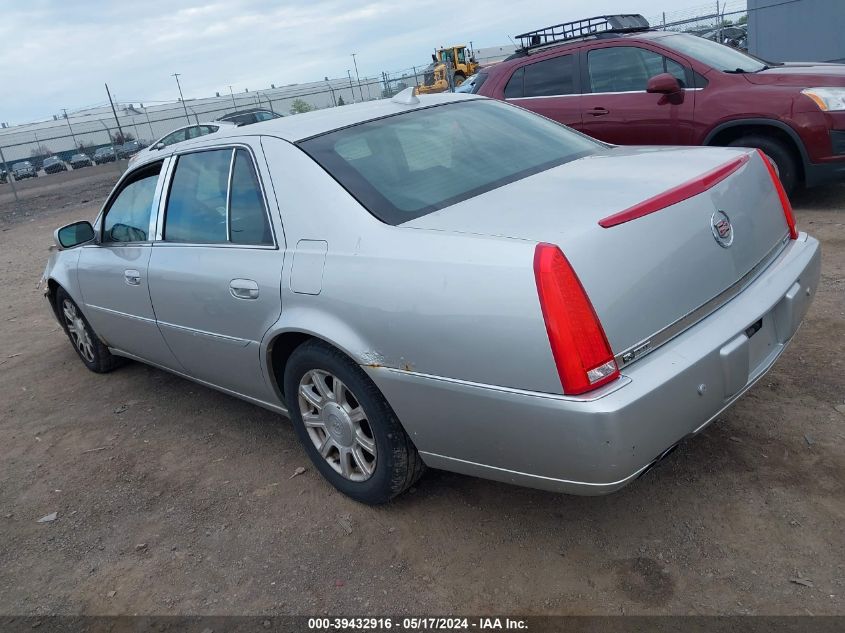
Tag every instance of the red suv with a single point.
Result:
(616, 80)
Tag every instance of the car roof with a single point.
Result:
(308, 124)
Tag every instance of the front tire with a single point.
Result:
(90, 349)
(783, 157)
(348, 429)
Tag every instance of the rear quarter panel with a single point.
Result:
(459, 306)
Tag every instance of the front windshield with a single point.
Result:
(713, 54)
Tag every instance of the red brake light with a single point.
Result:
(579, 346)
(784, 199)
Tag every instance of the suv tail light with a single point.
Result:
(784, 199)
(582, 354)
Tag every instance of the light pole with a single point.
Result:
(152, 134)
(351, 89)
(232, 92)
(355, 62)
(328, 83)
(73, 136)
(182, 98)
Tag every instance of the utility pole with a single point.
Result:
(114, 112)
(73, 136)
(182, 98)
(231, 92)
(355, 61)
(351, 89)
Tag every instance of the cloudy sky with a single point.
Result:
(58, 53)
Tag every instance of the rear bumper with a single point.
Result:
(597, 444)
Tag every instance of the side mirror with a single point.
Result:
(664, 83)
(73, 235)
(159, 146)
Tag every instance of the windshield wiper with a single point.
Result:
(737, 71)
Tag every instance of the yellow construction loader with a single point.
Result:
(436, 75)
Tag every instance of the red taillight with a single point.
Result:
(579, 346)
(784, 199)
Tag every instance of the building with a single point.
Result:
(797, 31)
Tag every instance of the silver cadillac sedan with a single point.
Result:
(446, 281)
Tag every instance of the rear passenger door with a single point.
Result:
(215, 270)
(548, 87)
(617, 108)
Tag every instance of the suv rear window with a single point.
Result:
(550, 77)
(408, 165)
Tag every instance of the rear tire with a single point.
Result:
(783, 156)
(90, 349)
(352, 435)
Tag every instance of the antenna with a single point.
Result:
(407, 97)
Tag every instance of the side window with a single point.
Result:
(628, 68)
(247, 215)
(174, 137)
(196, 206)
(193, 132)
(204, 207)
(676, 70)
(550, 77)
(514, 88)
(127, 218)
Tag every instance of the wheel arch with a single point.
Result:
(729, 131)
(282, 339)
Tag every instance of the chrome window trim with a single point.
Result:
(661, 337)
(159, 237)
(229, 195)
(587, 94)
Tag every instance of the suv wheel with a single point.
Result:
(348, 429)
(782, 156)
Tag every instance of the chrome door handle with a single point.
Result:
(599, 111)
(243, 289)
(132, 277)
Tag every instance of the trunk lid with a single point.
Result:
(648, 273)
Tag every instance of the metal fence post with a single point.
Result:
(9, 178)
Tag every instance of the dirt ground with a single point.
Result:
(175, 499)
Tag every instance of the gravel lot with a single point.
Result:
(175, 499)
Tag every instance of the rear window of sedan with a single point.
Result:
(408, 165)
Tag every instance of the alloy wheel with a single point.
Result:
(78, 332)
(337, 425)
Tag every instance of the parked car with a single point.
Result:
(104, 155)
(634, 86)
(129, 149)
(4, 176)
(247, 117)
(24, 169)
(736, 36)
(430, 298)
(186, 133)
(53, 165)
(78, 161)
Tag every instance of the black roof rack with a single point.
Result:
(620, 23)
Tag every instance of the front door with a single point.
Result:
(616, 107)
(215, 274)
(113, 272)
